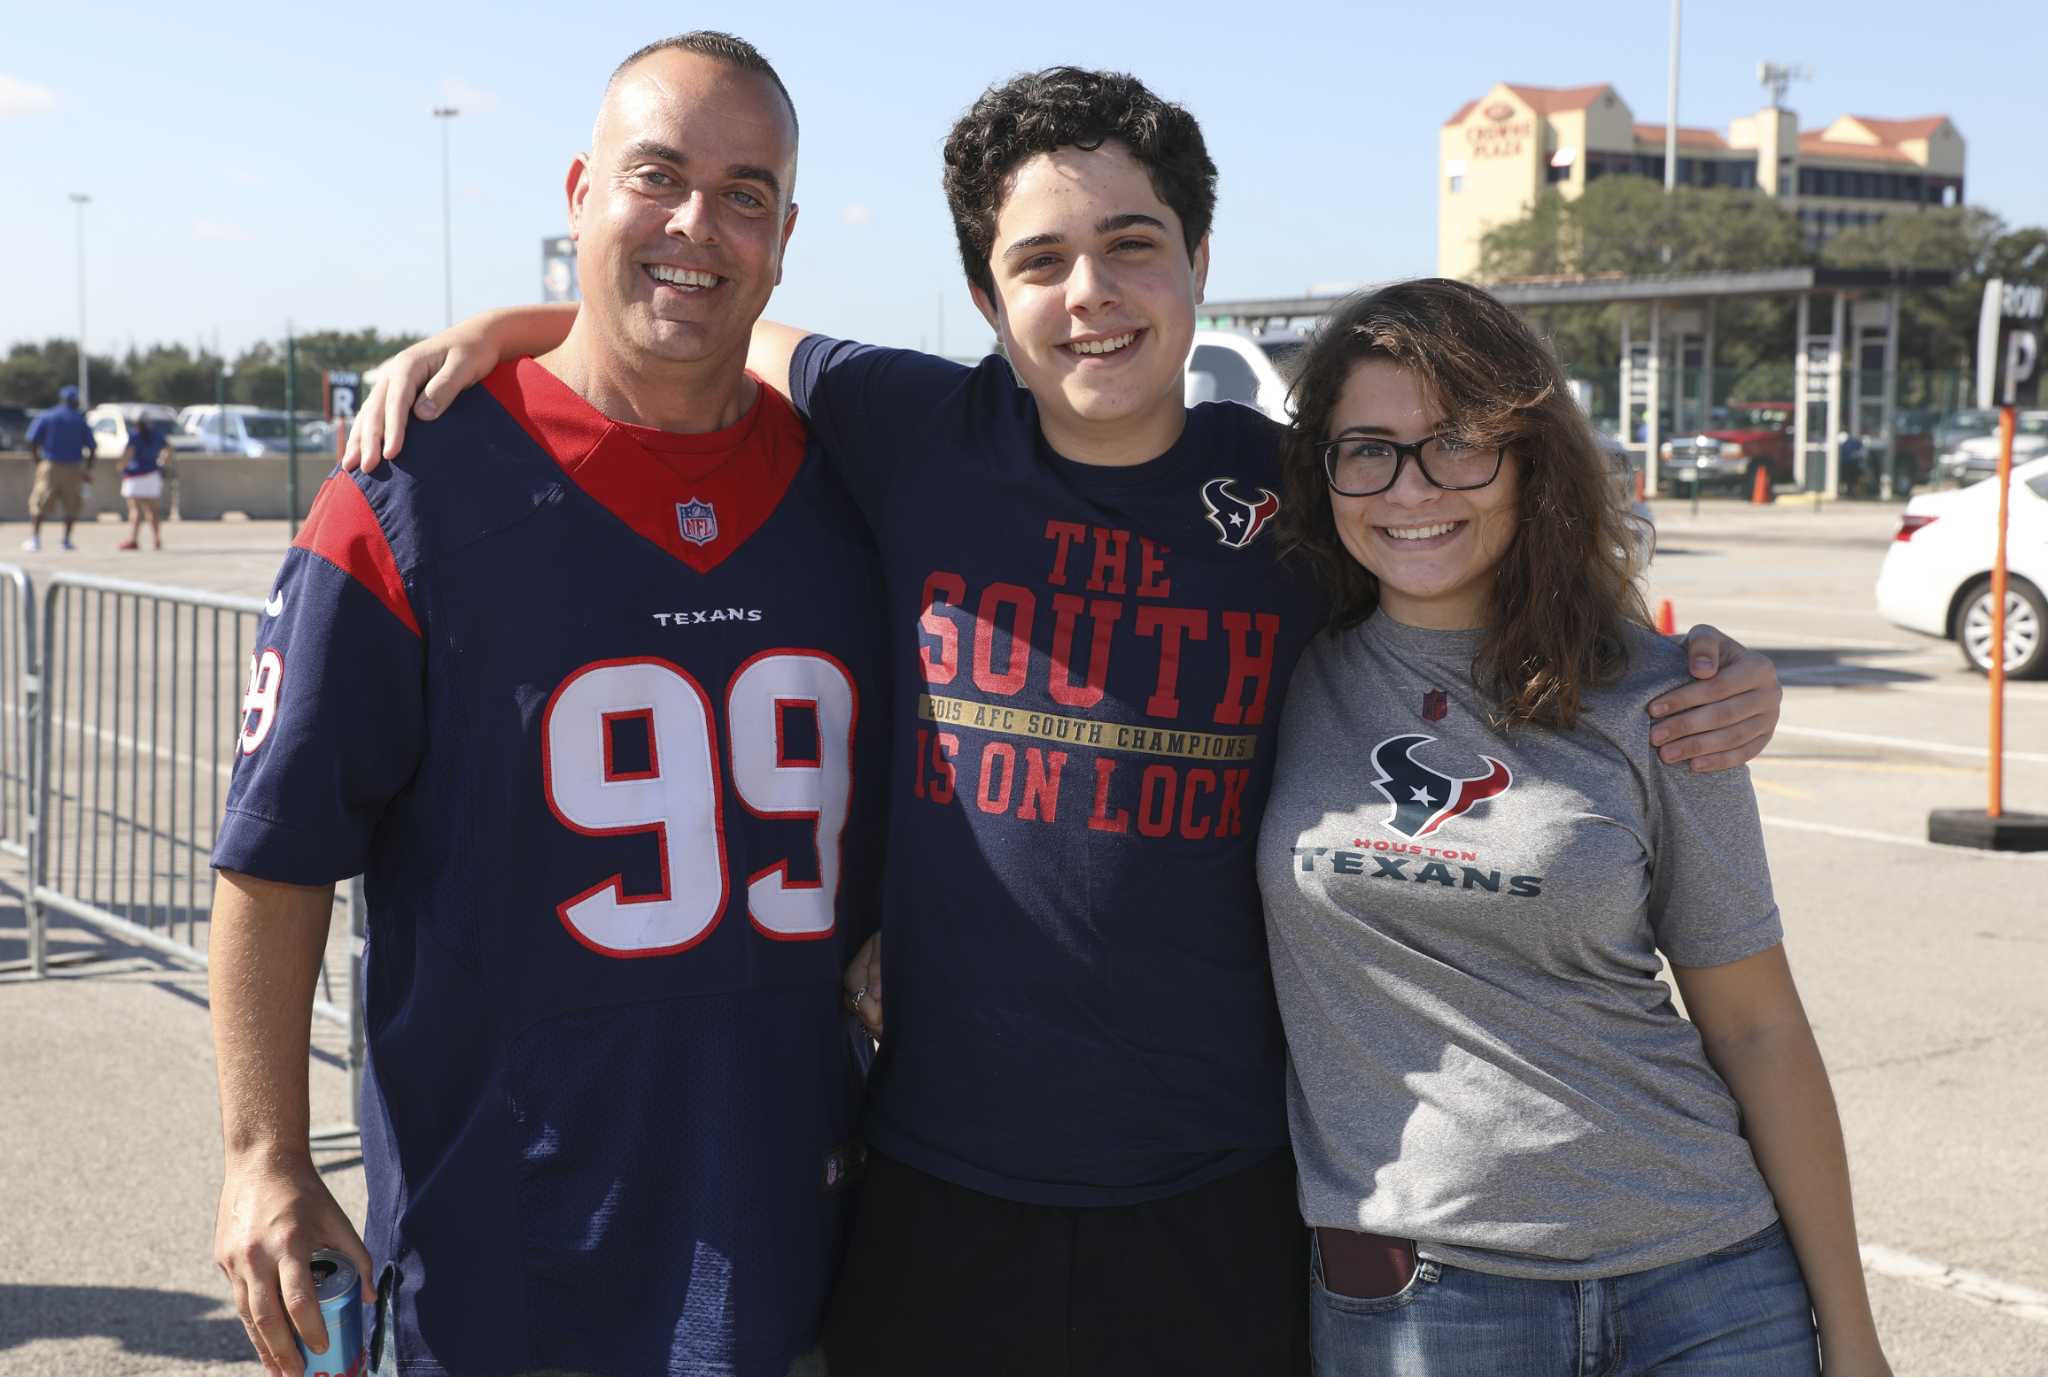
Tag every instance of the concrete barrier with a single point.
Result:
(18, 479)
(202, 487)
(209, 486)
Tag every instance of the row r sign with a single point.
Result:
(2009, 341)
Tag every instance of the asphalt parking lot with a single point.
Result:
(1923, 970)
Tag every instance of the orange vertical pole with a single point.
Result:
(2008, 420)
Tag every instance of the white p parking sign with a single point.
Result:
(2009, 341)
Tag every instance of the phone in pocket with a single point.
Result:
(1365, 1266)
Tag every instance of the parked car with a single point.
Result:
(1755, 438)
(14, 423)
(247, 430)
(1959, 426)
(1936, 577)
(1976, 458)
(318, 436)
(1913, 445)
(1642, 522)
(113, 422)
(1238, 366)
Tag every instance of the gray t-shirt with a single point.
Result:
(1464, 929)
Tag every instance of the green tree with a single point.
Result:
(1937, 327)
(31, 373)
(173, 375)
(259, 378)
(1631, 226)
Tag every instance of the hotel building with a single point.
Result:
(1500, 151)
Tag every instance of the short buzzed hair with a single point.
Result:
(719, 47)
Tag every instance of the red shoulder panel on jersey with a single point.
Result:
(558, 420)
(342, 530)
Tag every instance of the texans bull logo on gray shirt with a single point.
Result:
(1425, 799)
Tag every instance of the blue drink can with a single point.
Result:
(340, 1292)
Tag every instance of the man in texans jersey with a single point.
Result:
(1079, 1159)
(587, 687)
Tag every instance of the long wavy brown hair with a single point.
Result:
(1564, 589)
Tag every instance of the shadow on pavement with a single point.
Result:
(167, 1324)
(68, 944)
(1838, 668)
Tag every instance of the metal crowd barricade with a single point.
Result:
(19, 688)
(131, 744)
(17, 704)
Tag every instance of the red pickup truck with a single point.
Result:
(1756, 436)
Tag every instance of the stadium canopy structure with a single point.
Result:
(1673, 361)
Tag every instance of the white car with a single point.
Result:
(1937, 574)
(1976, 457)
(1237, 366)
(249, 430)
(113, 423)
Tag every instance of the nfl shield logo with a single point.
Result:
(697, 521)
(1435, 703)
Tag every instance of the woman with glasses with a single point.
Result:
(1516, 1155)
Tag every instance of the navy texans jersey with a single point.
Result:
(598, 712)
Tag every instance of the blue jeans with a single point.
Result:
(1739, 1312)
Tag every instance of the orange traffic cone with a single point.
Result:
(1761, 494)
(1667, 620)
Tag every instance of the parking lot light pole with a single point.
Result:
(1671, 109)
(446, 113)
(220, 403)
(81, 200)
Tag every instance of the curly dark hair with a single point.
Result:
(1565, 586)
(1037, 112)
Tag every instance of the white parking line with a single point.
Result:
(1798, 638)
(1763, 601)
(1872, 676)
(1795, 639)
(1909, 743)
(1902, 839)
(2020, 1302)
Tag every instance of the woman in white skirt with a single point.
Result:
(142, 483)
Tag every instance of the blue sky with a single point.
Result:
(254, 163)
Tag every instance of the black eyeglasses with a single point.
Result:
(1363, 465)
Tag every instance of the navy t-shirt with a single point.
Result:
(62, 435)
(599, 712)
(1091, 665)
(148, 451)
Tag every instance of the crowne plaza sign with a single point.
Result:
(1495, 132)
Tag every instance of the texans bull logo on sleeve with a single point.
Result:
(1425, 799)
(1235, 519)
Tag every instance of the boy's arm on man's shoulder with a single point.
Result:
(772, 351)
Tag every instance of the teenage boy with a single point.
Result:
(1077, 1124)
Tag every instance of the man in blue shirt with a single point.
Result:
(62, 444)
